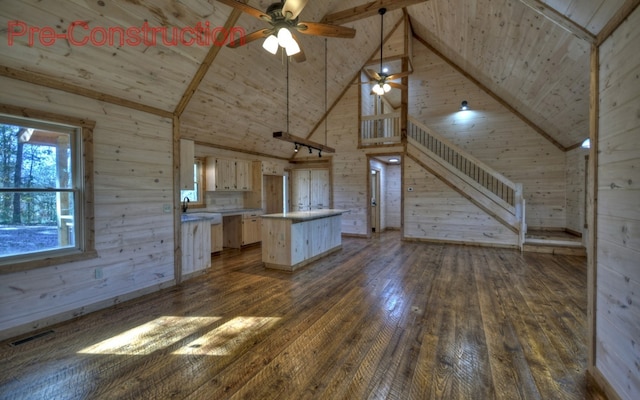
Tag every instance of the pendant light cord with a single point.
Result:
(381, 11)
(288, 96)
(325, 92)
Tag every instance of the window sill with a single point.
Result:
(47, 261)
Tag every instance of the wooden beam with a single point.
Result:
(177, 222)
(559, 19)
(253, 153)
(302, 141)
(623, 13)
(592, 210)
(497, 98)
(52, 83)
(367, 10)
(206, 64)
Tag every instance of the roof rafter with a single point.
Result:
(559, 19)
(366, 10)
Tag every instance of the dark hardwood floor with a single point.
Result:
(381, 318)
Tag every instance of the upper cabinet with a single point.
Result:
(228, 175)
(187, 157)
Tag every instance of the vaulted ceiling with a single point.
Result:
(532, 54)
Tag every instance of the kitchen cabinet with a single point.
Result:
(243, 175)
(310, 189)
(187, 157)
(196, 250)
(251, 228)
(228, 175)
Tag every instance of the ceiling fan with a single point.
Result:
(283, 18)
(382, 80)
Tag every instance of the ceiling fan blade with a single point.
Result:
(399, 75)
(373, 74)
(246, 8)
(294, 7)
(318, 29)
(299, 57)
(262, 33)
(397, 85)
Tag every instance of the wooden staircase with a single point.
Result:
(476, 181)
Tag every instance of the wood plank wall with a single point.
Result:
(134, 237)
(618, 214)
(490, 133)
(434, 211)
(576, 189)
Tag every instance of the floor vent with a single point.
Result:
(30, 338)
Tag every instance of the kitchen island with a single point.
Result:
(294, 239)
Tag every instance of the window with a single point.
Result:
(44, 195)
(195, 196)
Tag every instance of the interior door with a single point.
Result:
(300, 200)
(319, 189)
(274, 194)
(375, 200)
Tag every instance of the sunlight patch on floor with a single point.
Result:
(228, 337)
(151, 336)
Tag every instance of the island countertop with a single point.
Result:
(300, 216)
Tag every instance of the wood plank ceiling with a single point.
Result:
(531, 62)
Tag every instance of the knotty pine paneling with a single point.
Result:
(576, 189)
(618, 219)
(134, 238)
(592, 15)
(434, 211)
(490, 133)
(155, 75)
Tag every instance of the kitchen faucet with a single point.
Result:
(185, 204)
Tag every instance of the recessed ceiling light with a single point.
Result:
(393, 160)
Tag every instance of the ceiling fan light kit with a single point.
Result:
(283, 18)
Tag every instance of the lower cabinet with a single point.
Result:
(216, 238)
(196, 242)
(251, 229)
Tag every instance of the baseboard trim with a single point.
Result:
(595, 378)
(48, 322)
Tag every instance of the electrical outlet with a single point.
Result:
(166, 208)
(98, 273)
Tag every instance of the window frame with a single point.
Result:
(199, 162)
(82, 153)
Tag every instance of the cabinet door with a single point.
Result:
(225, 174)
(319, 189)
(243, 175)
(251, 230)
(216, 238)
(300, 190)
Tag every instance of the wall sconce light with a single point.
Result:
(464, 106)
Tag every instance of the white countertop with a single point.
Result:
(299, 216)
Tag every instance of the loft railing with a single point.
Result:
(380, 129)
(492, 184)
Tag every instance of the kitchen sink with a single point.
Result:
(213, 218)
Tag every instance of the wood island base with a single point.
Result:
(293, 240)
